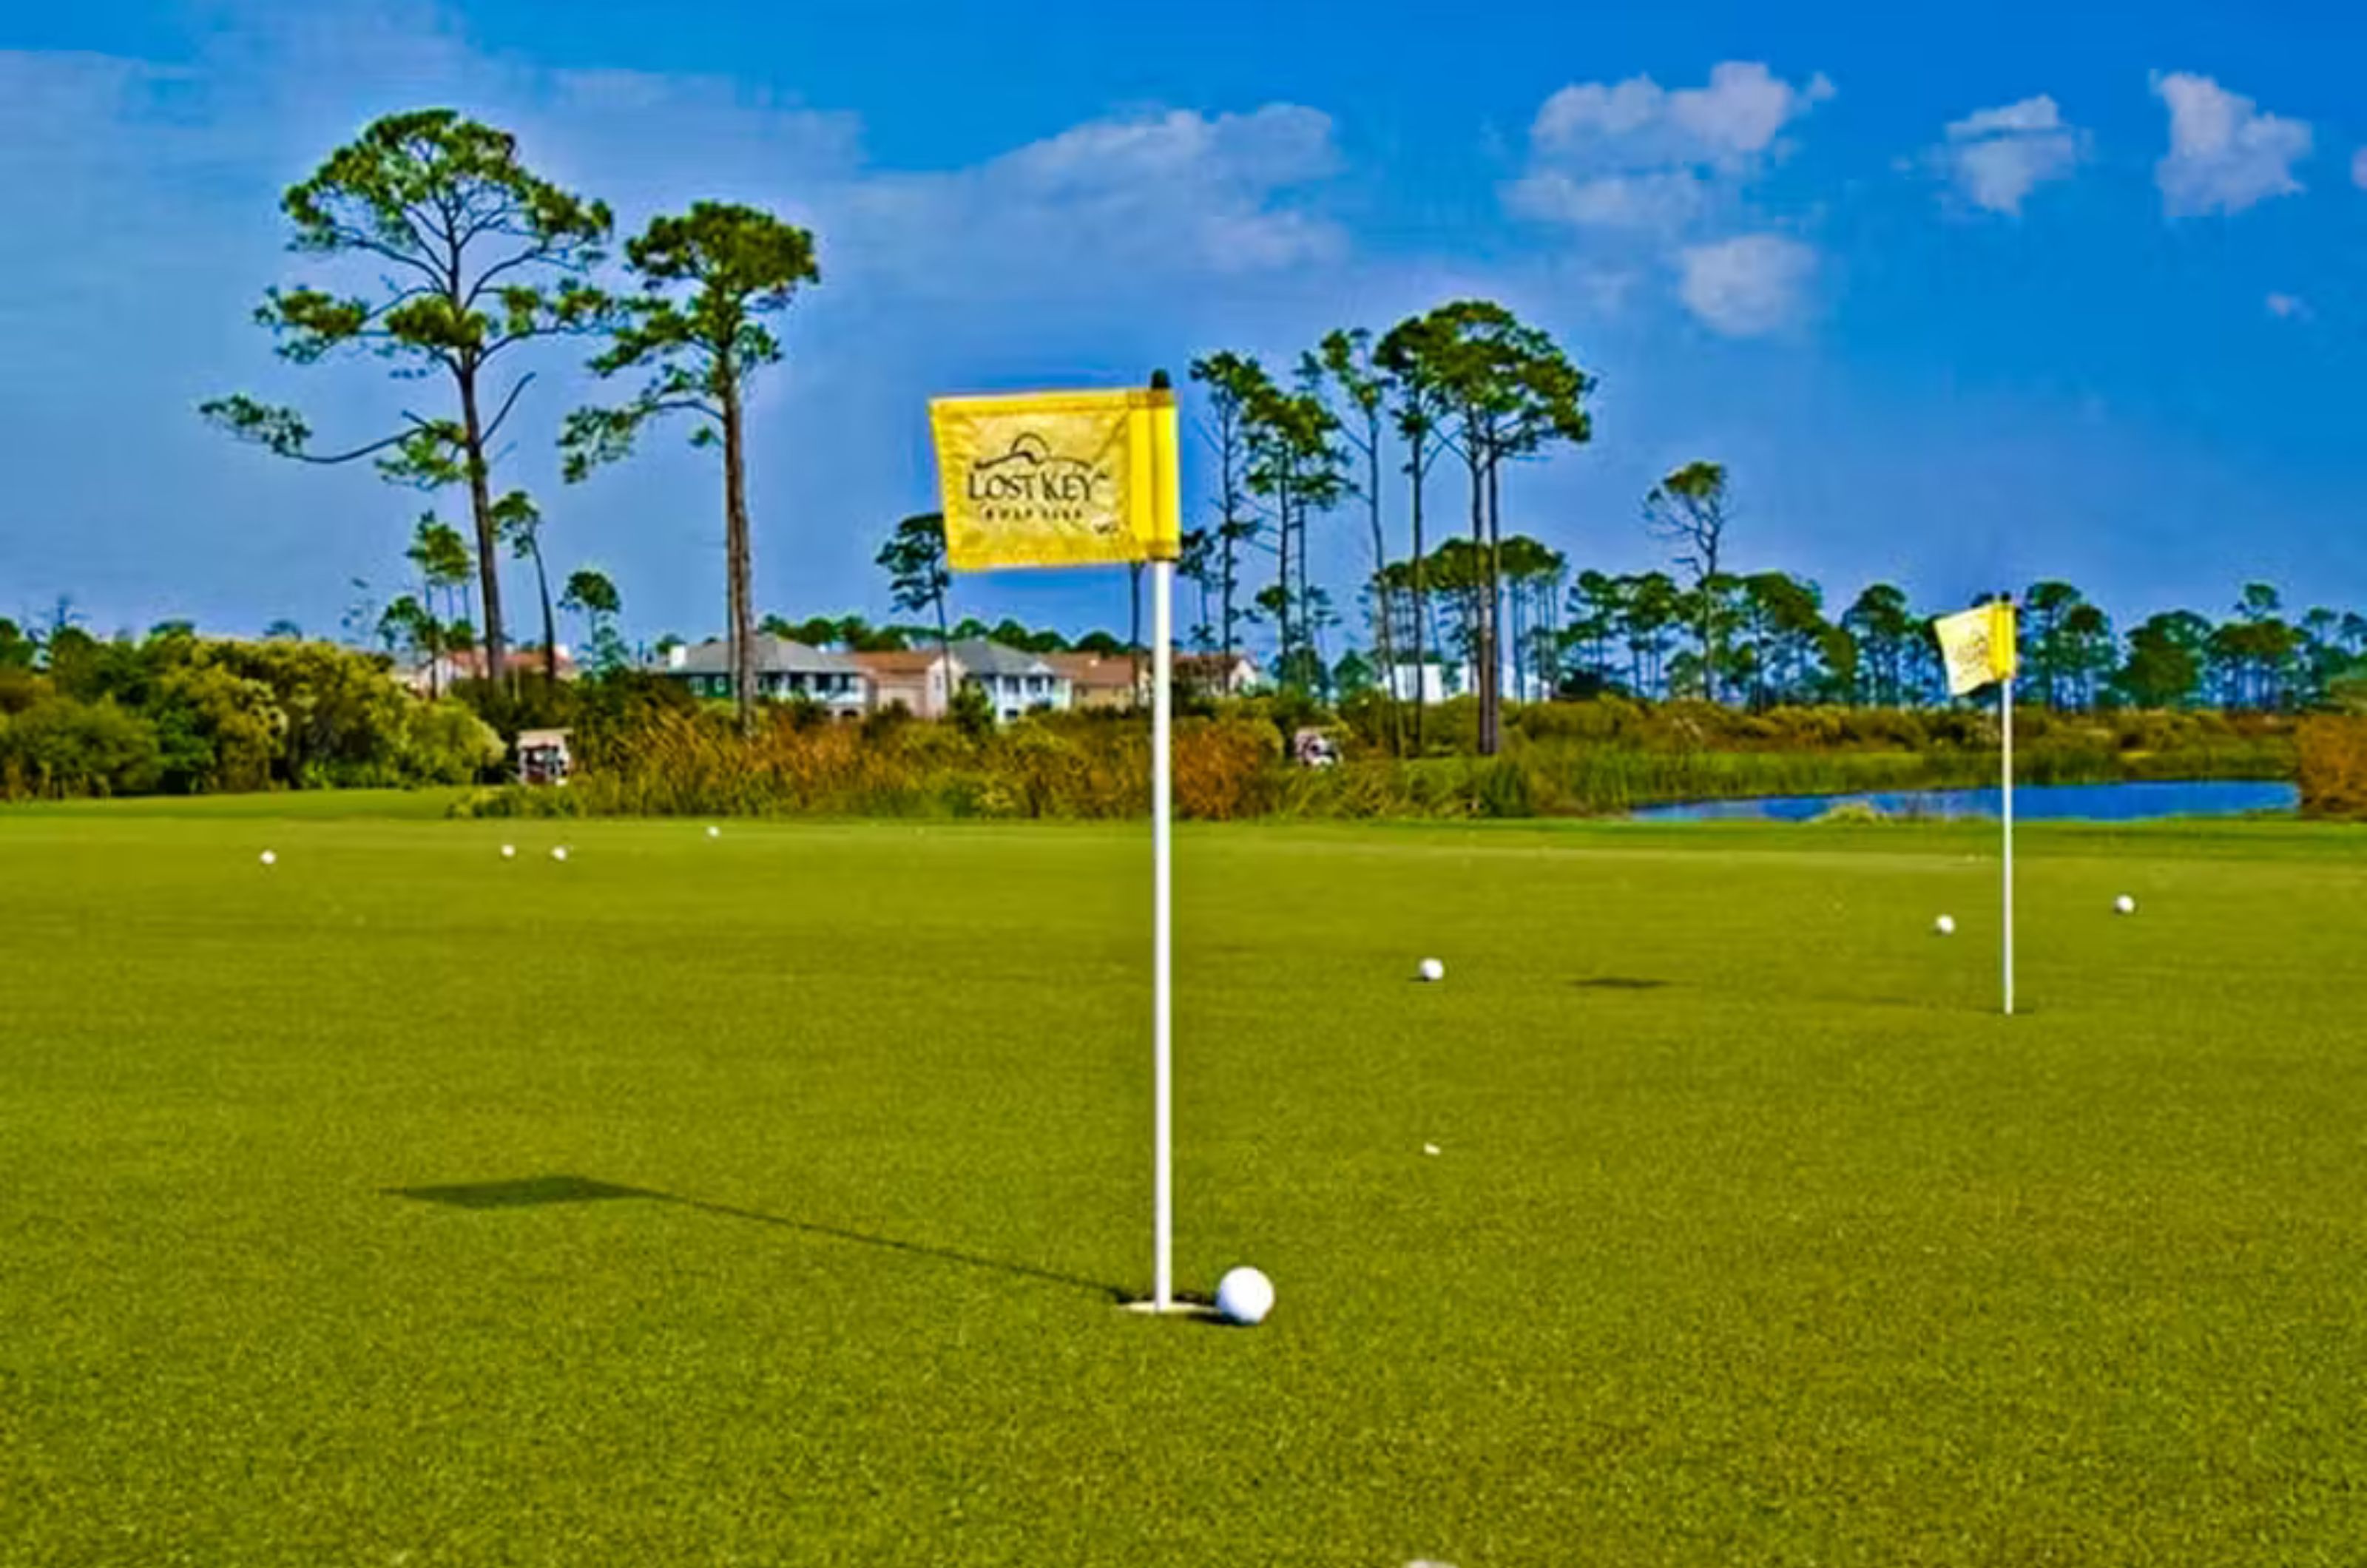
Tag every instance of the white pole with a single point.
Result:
(1162, 618)
(2006, 698)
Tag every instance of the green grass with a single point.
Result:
(1755, 1237)
(429, 804)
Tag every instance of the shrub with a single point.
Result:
(884, 724)
(1503, 789)
(62, 747)
(2333, 766)
(220, 731)
(525, 701)
(518, 800)
(19, 689)
(342, 717)
(971, 710)
(1220, 767)
(446, 743)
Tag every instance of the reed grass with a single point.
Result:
(1569, 760)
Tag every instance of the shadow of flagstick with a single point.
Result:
(535, 1191)
(893, 1244)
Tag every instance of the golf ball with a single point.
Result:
(1431, 969)
(2125, 905)
(1945, 925)
(1244, 1296)
(509, 851)
(271, 857)
(714, 832)
(558, 851)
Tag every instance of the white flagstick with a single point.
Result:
(1162, 616)
(2006, 697)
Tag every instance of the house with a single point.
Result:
(1429, 683)
(1437, 680)
(1015, 683)
(914, 678)
(434, 676)
(1218, 674)
(1097, 681)
(786, 672)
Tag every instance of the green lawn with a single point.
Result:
(763, 1199)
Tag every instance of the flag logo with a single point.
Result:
(1978, 646)
(1032, 484)
(1057, 479)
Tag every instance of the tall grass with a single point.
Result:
(2333, 767)
(1565, 759)
(692, 763)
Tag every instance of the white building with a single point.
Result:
(786, 672)
(1436, 682)
(1015, 683)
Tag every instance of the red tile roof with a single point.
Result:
(1095, 670)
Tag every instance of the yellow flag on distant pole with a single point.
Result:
(1979, 648)
(1977, 645)
(1059, 478)
(1090, 478)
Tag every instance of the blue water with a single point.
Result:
(2031, 803)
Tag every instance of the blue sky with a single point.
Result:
(1964, 302)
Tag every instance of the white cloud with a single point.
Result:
(1098, 207)
(2026, 117)
(2225, 154)
(2289, 307)
(1996, 157)
(1169, 192)
(1654, 174)
(1750, 285)
(1633, 154)
(1744, 106)
(1653, 199)
(1737, 114)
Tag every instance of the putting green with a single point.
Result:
(764, 1199)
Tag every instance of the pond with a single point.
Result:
(2031, 803)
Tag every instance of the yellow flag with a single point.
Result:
(1978, 646)
(1059, 478)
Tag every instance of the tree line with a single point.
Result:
(1467, 383)
(185, 714)
(1471, 385)
(1759, 640)
(479, 259)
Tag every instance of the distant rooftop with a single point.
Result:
(979, 657)
(899, 661)
(1095, 669)
(775, 656)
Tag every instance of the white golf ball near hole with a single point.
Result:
(714, 832)
(1431, 969)
(509, 851)
(1244, 1296)
(558, 851)
(1945, 925)
(2125, 905)
(271, 857)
